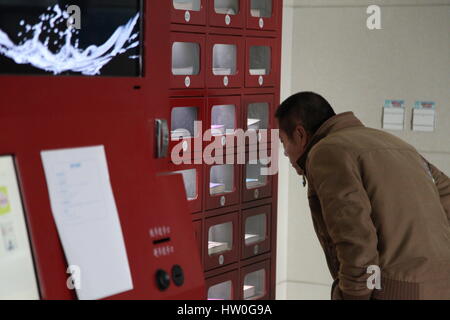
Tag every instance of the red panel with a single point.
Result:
(269, 79)
(265, 265)
(214, 201)
(227, 20)
(134, 191)
(255, 248)
(227, 257)
(182, 240)
(190, 147)
(191, 17)
(265, 23)
(188, 81)
(231, 276)
(198, 235)
(47, 112)
(226, 81)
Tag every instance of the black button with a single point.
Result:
(162, 280)
(177, 275)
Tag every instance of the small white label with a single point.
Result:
(223, 140)
(222, 201)
(256, 193)
(225, 81)
(187, 82)
(227, 20)
(255, 249)
(221, 259)
(261, 80)
(187, 16)
(261, 23)
(185, 146)
(259, 136)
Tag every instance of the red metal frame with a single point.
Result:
(228, 81)
(265, 265)
(225, 258)
(260, 81)
(196, 204)
(269, 23)
(260, 192)
(220, 20)
(189, 151)
(260, 247)
(227, 141)
(198, 230)
(224, 277)
(265, 98)
(190, 17)
(225, 199)
(188, 81)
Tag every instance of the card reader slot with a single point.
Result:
(159, 241)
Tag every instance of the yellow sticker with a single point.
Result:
(5, 206)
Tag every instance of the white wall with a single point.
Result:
(283, 173)
(328, 49)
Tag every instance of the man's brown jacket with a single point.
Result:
(376, 202)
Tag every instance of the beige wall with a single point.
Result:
(328, 49)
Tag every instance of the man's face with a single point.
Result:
(294, 146)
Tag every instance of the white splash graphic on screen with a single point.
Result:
(68, 56)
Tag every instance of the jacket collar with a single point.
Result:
(335, 123)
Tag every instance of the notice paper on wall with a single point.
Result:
(424, 116)
(394, 114)
(87, 220)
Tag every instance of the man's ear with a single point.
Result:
(301, 135)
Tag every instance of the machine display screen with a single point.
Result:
(71, 37)
(17, 275)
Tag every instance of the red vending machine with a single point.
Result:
(83, 211)
(96, 100)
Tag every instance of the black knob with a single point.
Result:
(177, 275)
(162, 280)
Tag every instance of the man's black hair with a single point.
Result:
(306, 108)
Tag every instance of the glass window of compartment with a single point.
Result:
(221, 291)
(223, 118)
(190, 183)
(220, 238)
(224, 59)
(183, 123)
(230, 7)
(254, 285)
(258, 116)
(260, 60)
(185, 58)
(253, 176)
(255, 229)
(261, 8)
(189, 5)
(221, 179)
